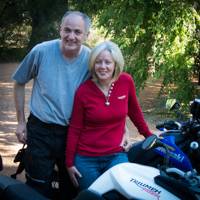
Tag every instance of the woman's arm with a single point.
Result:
(74, 131)
(135, 111)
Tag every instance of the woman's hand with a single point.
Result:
(74, 173)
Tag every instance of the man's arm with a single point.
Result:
(19, 97)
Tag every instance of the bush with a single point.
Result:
(12, 54)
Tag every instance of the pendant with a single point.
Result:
(107, 103)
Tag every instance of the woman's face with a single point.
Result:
(104, 66)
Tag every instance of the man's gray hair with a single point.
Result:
(85, 17)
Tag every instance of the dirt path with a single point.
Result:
(8, 143)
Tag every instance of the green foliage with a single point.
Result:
(24, 23)
(45, 19)
(12, 54)
(13, 22)
(175, 48)
(158, 37)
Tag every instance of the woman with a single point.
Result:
(100, 109)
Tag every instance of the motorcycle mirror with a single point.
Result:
(195, 108)
(149, 142)
(172, 104)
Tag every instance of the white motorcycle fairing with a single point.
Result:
(132, 181)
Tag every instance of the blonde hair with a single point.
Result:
(115, 53)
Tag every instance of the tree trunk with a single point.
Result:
(46, 16)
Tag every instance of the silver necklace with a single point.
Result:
(107, 103)
(107, 97)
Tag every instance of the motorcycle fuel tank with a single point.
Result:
(132, 181)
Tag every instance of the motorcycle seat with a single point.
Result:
(89, 195)
(14, 189)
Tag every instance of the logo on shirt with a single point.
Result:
(122, 97)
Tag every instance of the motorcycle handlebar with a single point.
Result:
(176, 171)
(169, 125)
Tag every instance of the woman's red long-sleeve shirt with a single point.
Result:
(97, 129)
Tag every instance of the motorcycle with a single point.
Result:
(136, 181)
(179, 136)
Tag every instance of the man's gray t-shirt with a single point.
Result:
(55, 80)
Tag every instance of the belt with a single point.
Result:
(34, 119)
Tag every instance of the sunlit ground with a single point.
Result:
(8, 142)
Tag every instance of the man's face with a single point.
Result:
(72, 33)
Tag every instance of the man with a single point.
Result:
(57, 67)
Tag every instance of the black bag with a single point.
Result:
(20, 157)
